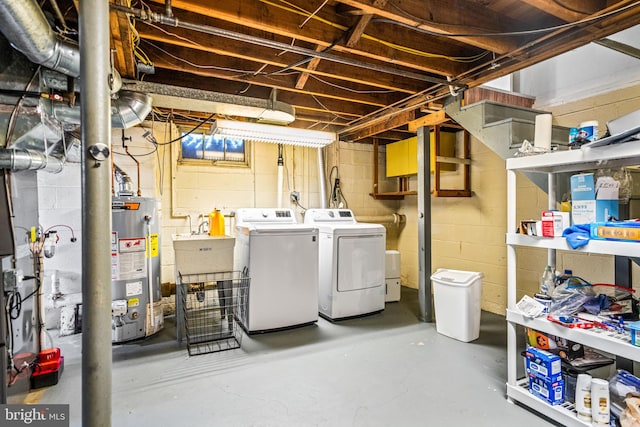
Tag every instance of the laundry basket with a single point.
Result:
(210, 303)
(457, 297)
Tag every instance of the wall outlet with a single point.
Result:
(295, 196)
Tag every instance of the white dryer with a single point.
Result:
(281, 259)
(352, 264)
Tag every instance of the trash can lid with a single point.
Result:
(455, 277)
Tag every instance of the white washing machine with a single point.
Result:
(281, 258)
(352, 264)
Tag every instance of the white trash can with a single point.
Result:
(457, 297)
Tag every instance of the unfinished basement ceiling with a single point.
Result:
(363, 68)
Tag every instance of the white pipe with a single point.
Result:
(280, 184)
(280, 177)
(394, 218)
(322, 179)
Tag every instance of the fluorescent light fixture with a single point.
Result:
(272, 134)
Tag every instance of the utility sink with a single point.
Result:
(201, 253)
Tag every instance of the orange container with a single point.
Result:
(216, 223)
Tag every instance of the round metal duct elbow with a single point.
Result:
(129, 109)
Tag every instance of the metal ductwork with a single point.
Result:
(25, 26)
(22, 159)
(27, 29)
(127, 109)
(125, 183)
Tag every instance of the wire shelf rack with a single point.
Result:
(210, 303)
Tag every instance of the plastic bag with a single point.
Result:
(569, 297)
(630, 417)
(623, 177)
(621, 385)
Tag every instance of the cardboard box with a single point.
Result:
(554, 223)
(593, 200)
(550, 391)
(543, 364)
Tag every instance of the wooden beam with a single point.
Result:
(299, 99)
(357, 30)
(554, 44)
(284, 83)
(121, 42)
(311, 66)
(568, 10)
(456, 16)
(355, 33)
(391, 122)
(235, 49)
(280, 19)
(432, 119)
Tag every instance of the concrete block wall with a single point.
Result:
(60, 208)
(355, 166)
(468, 234)
(197, 189)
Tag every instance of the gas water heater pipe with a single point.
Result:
(126, 150)
(152, 318)
(280, 177)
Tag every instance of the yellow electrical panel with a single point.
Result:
(402, 156)
(399, 160)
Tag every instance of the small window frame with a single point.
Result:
(204, 134)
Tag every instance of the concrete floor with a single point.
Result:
(384, 370)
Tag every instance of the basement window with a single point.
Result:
(201, 147)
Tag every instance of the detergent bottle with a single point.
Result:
(216, 223)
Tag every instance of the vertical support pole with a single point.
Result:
(95, 72)
(551, 189)
(511, 279)
(3, 335)
(424, 226)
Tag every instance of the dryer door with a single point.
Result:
(360, 262)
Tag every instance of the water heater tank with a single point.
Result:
(135, 268)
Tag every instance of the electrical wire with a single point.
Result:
(500, 34)
(349, 89)
(328, 110)
(336, 198)
(193, 64)
(179, 138)
(303, 12)
(279, 72)
(73, 236)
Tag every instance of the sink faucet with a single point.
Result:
(204, 222)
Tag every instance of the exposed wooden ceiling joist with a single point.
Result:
(362, 68)
(256, 15)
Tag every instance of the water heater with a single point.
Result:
(136, 310)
